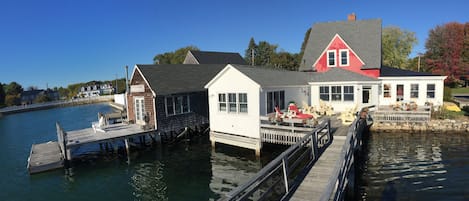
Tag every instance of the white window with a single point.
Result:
(336, 93)
(331, 58)
(324, 93)
(139, 109)
(177, 105)
(243, 102)
(222, 102)
(348, 93)
(232, 102)
(414, 91)
(387, 90)
(344, 57)
(430, 90)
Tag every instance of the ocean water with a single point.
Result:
(416, 167)
(185, 171)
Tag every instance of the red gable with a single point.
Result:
(338, 54)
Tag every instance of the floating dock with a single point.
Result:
(53, 155)
(45, 156)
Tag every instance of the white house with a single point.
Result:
(239, 95)
(404, 85)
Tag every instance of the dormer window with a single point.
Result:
(344, 57)
(331, 58)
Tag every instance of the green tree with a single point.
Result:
(252, 49)
(265, 53)
(2, 95)
(11, 100)
(176, 57)
(42, 99)
(285, 60)
(14, 89)
(397, 45)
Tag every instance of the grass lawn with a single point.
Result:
(463, 90)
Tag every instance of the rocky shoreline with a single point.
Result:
(434, 126)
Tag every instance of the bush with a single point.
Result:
(443, 113)
(447, 96)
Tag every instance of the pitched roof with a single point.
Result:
(339, 75)
(363, 36)
(166, 79)
(267, 77)
(206, 57)
(387, 71)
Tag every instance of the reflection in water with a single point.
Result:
(228, 172)
(416, 167)
(148, 177)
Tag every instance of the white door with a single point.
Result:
(139, 110)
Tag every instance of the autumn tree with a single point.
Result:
(447, 52)
(397, 45)
(176, 57)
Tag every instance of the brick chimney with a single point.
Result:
(352, 17)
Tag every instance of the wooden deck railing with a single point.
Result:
(278, 178)
(62, 140)
(420, 116)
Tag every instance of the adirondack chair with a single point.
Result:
(325, 109)
(348, 116)
(100, 125)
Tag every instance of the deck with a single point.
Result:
(53, 155)
(113, 132)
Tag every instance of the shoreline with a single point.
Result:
(56, 104)
(434, 126)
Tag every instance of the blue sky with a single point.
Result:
(60, 42)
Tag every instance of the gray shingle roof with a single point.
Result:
(363, 36)
(387, 71)
(206, 57)
(339, 75)
(267, 77)
(168, 79)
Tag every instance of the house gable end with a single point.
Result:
(337, 45)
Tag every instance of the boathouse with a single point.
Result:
(170, 97)
(238, 96)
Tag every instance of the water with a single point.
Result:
(416, 167)
(186, 171)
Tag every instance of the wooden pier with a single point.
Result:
(320, 166)
(53, 155)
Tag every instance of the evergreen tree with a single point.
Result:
(252, 49)
(303, 46)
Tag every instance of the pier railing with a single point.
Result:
(278, 178)
(62, 140)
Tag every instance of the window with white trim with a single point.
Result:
(430, 90)
(177, 105)
(344, 57)
(331, 58)
(348, 93)
(324, 93)
(387, 90)
(232, 105)
(414, 91)
(336, 93)
(222, 102)
(243, 102)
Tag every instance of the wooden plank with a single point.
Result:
(318, 176)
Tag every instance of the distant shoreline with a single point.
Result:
(55, 104)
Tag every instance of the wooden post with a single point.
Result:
(127, 150)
